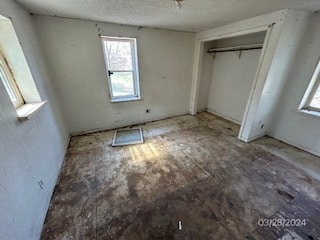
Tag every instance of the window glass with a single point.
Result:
(9, 83)
(315, 102)
(119, 55)
(122, 68)
(311, 100)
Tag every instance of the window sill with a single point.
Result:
(26, 111)
(127, 99)
(310, 112)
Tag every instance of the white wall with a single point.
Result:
(30, 151)
(267, 95)
(232, 79)
(288, 124)
(73, 51)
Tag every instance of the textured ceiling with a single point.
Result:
(194, 16)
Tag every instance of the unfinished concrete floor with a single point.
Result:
(190, 169)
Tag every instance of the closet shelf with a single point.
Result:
(236, 48)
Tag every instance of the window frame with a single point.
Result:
(10, 80)
(135, 69)
(310, 92)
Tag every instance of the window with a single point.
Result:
(15, 74)
(9, 83)
(311, 99)
(122, 68)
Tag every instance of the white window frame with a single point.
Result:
(135, 71)
(10, 82)
(310, 92)
(16, 75)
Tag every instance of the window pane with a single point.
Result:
(7, 86)
(315, 102)
(122, 84)
(119, 55)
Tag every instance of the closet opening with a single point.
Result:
(228, 72)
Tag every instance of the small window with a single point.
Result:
(15, 74)
(311, 100)
(9, 83)
(122, 68)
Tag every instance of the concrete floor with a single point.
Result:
(190, 169)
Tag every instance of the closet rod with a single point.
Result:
(236, 48)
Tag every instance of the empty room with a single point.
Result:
(171, 119)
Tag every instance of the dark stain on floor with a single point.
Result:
(190, 169)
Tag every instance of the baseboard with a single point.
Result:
(294, 144)
(131, 124)
(250, 139)
(223, 116)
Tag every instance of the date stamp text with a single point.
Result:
(282, 222)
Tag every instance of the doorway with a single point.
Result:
(228, 71)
